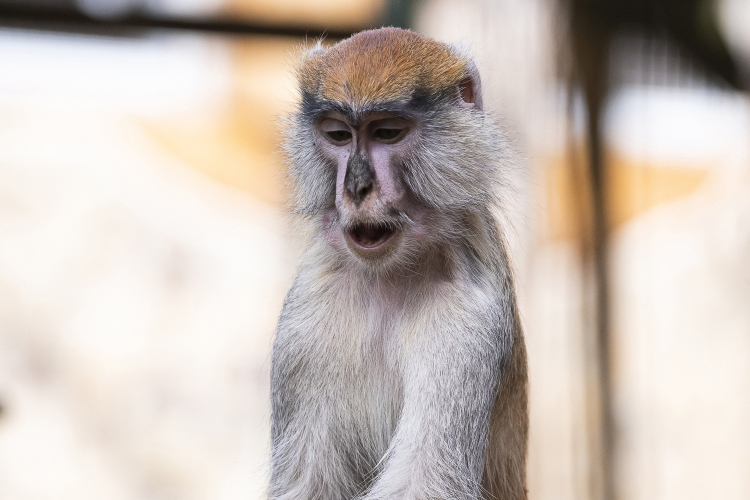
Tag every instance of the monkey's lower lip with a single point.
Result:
(370, 236)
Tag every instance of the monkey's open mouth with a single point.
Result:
(370, 235)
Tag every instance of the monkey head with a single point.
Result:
(390, 149)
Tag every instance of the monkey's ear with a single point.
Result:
(470, 88)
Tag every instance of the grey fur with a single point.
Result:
(403, 379)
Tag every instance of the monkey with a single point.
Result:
(398, 369)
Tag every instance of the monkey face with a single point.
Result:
(371, 204)
(390, 150)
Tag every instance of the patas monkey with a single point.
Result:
(399, 366)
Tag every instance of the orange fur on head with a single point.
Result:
(387, 64)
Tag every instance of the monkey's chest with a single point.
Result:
(375, 388)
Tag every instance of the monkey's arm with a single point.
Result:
(311, 429)
(452, 368)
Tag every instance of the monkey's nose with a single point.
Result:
(359, 180)
(359, 193)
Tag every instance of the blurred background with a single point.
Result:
(145, 246)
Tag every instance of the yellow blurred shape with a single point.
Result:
(239, 142)
(341, 14)
(632, 188)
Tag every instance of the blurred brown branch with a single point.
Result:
(592, 25)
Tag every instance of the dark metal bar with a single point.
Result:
(68, 19)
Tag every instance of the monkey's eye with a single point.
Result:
(387, 134)
(339, 136)
(336, 131)
(389, 130)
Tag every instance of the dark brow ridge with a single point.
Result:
(314, 108)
